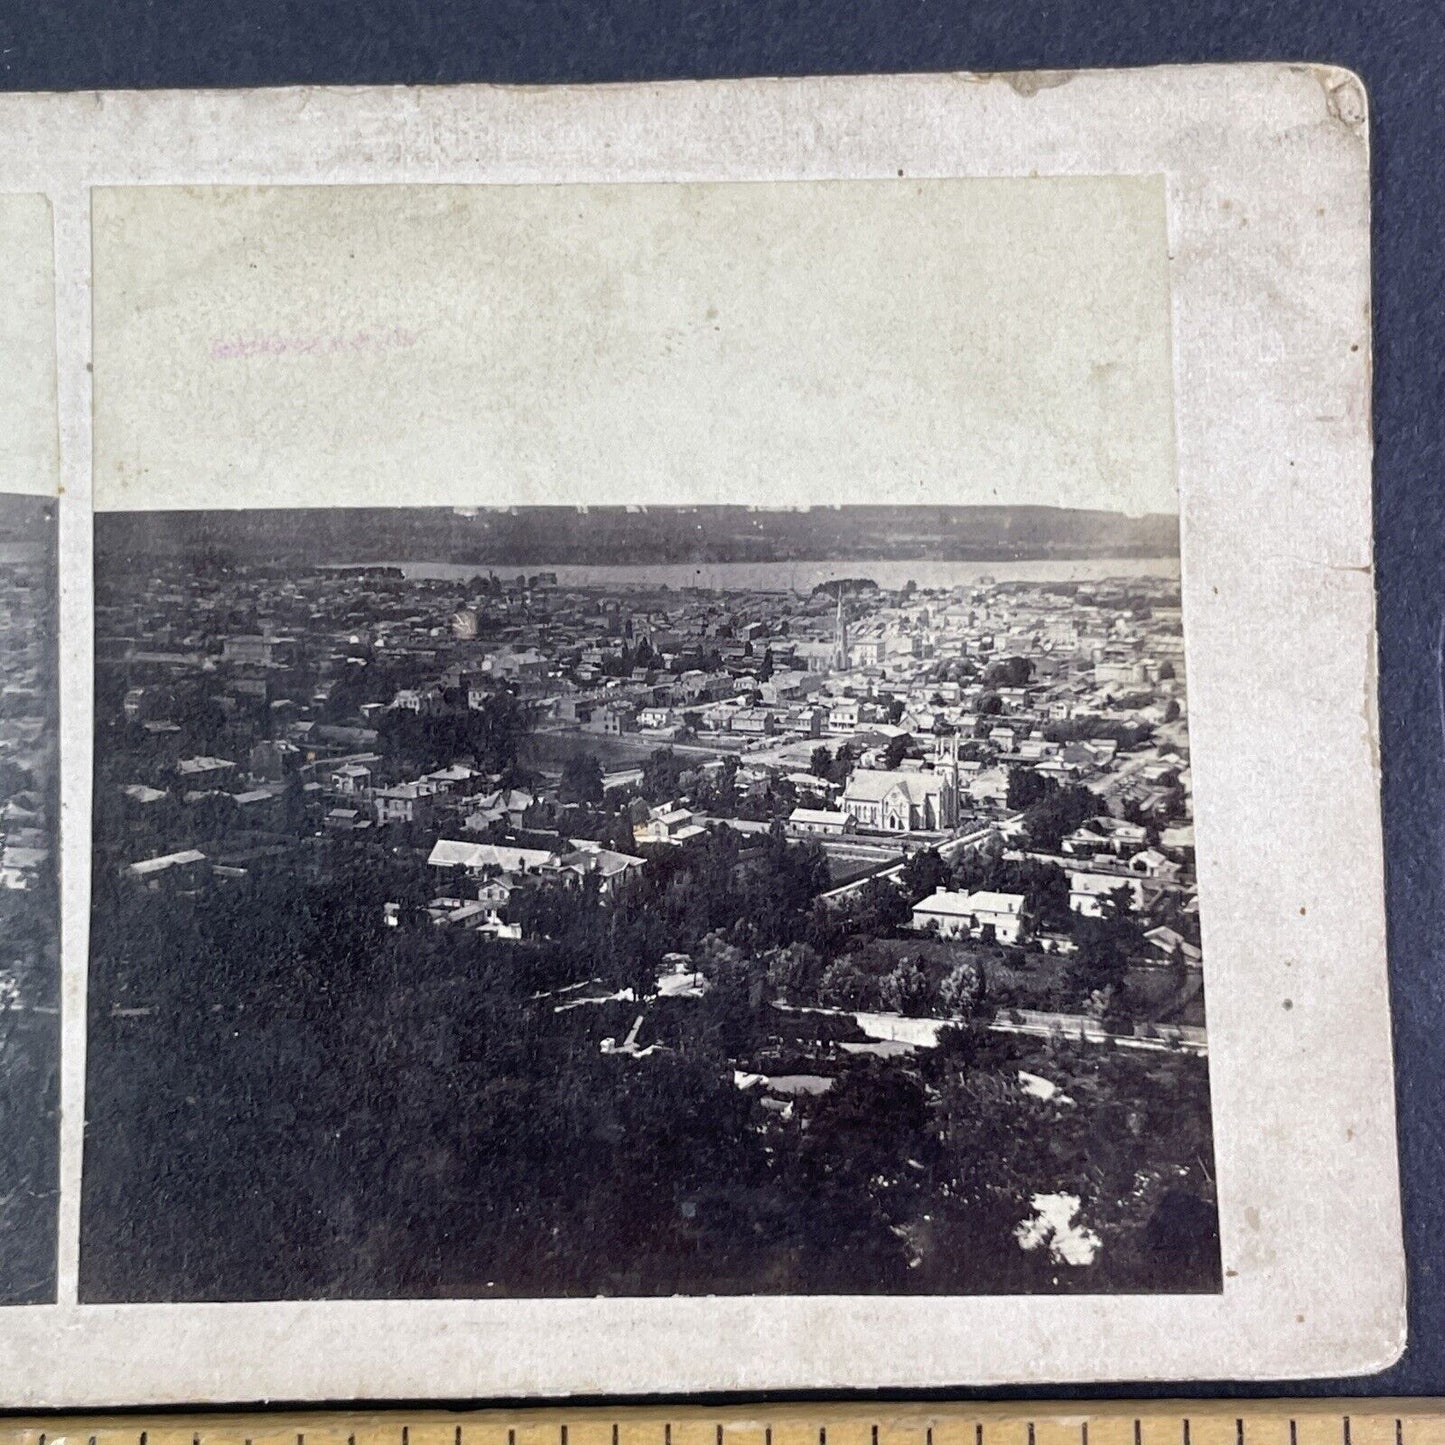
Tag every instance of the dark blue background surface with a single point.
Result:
(1398, 49)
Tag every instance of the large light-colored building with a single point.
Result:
(825, 821)
(956, 914)
(905, 801)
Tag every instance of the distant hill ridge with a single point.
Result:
(533, 536)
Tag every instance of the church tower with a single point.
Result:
(840, 638)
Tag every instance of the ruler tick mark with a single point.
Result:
(1031, 1432)
(1347, 1430)
(1399, 1431)
(1138, 1433)
(564, 1435)
(1186, 1430)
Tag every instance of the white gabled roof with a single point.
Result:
(1101, 884)
(872, 785)
(188, 766)
(985, 901)
(456, 853)
(169, 860)
(953, 904)
(816, 815)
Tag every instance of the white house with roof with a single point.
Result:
(1105, 835)
(955, 914)
(351, 778)
(589, 858)
(667, 823)
(423, 701)
(405, 803)
(1151, 863)
(827, 822)
(1089, 893)
(988, 785)
(1171, 945)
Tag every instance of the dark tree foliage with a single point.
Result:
(663, 774)
(896, 751)
(1045, 886)
(1025, 788)
(878, 909)
(924, 873)
(581, 780)
(1062, 808)
(1009, 672)
(1106, 945)
(1128, 735)
(491, 735)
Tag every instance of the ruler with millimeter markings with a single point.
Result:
(1200, 1422)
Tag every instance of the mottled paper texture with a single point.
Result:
(29, 431)
(1144, 291)
(788, 344)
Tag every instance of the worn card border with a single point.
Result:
(1266, 170)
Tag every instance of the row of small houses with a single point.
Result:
(492, 870)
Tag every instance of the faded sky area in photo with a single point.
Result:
(771, 344)
(29, 427)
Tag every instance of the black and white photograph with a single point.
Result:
(29, 903)
(698, 754)
(643, 901)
